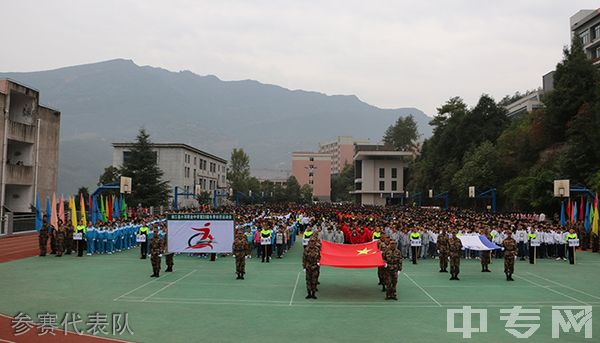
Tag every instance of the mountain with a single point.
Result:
(109, 101)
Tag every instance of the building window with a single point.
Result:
(381, 173)
(311, 174)
(358, 186)
(394, 185)
(394, 173)
(381, 185)
(596, 31)
(585, 37)
(310, 182)
(195, 160)
(311, 159)
(358, 169)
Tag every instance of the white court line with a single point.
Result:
(552, 290)
(133, 290)
(295, 286)
(318, 304)
(424, 291)
(169, 285)
(565, 286)
(3, 340)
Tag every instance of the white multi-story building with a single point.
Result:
(29, 133)
(184, 167)
(586, 25)
(379, 174)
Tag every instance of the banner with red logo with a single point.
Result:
(200, 232)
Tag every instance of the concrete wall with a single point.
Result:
(370, 175)
(48, 152)
(321, 173)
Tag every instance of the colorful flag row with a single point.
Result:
(111, 207)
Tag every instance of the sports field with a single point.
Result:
(202, 301)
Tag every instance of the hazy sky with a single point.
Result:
(389, 53)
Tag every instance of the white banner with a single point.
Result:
(200, 233)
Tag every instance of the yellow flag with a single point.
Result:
(82, 208)
(595, 220)
(73, 211)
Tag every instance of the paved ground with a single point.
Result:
(18, 246)
(202, 301)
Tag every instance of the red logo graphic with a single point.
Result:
(205, 239)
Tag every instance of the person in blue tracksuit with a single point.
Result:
(90, 237)
(102, 239)
(110, 239)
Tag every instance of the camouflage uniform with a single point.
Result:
(168, 256)
(43, 239)
(310, 262)
(393, 258)
(52, 233)
(240, 248)
(381, 271)
(485, 259)
(443, 246)
(510, 252)
(68, 239)
(60, 240)
(156, 248)
(455, 247)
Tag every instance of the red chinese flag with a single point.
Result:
(365, 255)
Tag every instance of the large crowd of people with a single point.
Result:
(268, 232)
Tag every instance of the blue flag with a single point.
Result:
(586, 220)
(562, 214)
(48, 209)
(115, 213)
(93, 210)
(39, 218)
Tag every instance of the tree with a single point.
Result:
(111, 174)
(576, 82)
(148, 188)
(293, 189)
(239, 171)
(402, 135)
(480, 168)
(342, 184)
(306, 194)
(204, 198)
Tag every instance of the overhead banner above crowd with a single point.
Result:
(200, 233)
(365, 255)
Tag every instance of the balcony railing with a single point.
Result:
(21, 132)
(19, 174)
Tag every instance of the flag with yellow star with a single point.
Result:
(365, 255)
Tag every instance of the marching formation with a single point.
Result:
(401, 232)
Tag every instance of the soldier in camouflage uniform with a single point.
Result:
(168, 256)
(443, 248)
(59, 236)
(68, 238)
(43, 238)
(381, 272)
(310, 262)
(156, 250)
(393, 260)
(240, 248)
(486, 255)
(510, 252)
(455, 247)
